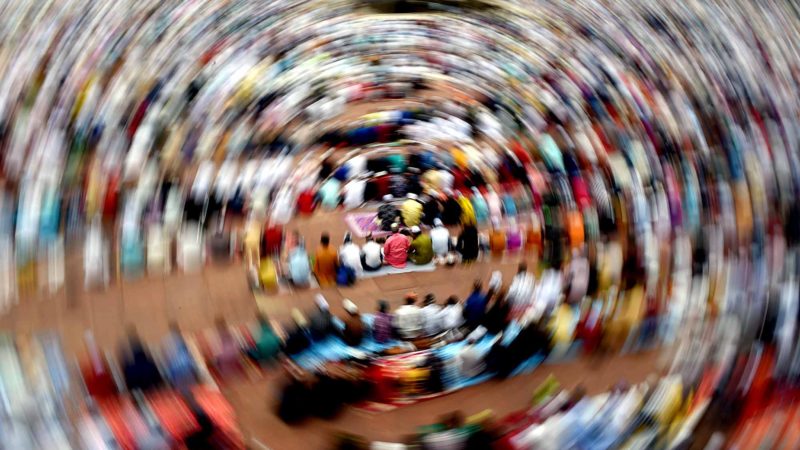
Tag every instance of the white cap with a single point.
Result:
(349, 306)
(321, 302)
(438, 222)
(387, 197)
(412, 196)
(415, 229)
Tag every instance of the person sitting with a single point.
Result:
(468, 243)
(497, 239)
(299, 265)
(350, 255)
(353, 332)
(475, 306)
(325, 262)
(452, 314)
(520, 293)
(411, 211)
(430, 316)
(421, 250)
(227, 357)
(139, 369)
(440, 239)
(408, 318)
(299, 337)
(320, 322)
(496, 318)
(395, 251)
(371, 255)
(268, 345)
(382, 323)
(180, 363)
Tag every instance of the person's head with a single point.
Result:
(522, 267)
(381, 240)
(325, 240)
(437, 222)
(415, 231)
(262, 319)
(405, 232)
(174, 327)
(395, 228)
(350, 307)
(452, 300)
(348, 238)
(430, 299)
(477, 285)
(370, 238)
(411, 298)
(221, 324)
(383, 306)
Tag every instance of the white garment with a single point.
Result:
(440, 239)
(283, 207)
(451, 316)
(350, 256)
(520, 293)
(356, 166)
(203, 180)
(494, 204)
(547, 292)
(446, 180)
(353, 193)
(408, 321)
(431, 319)
(372, 254)
(579, 278)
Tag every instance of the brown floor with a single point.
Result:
(194, 301)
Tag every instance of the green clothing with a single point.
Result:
(421, 250)
(268, 345)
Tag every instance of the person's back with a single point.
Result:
(440, 239)
(268, 344)
(395, 251)
(408, 320)
(299, 266)
(382, 326)
(475, 306)
(329, 193)
(353, 331)
(421, 249)
(325, 262)
(350, 256)
(411, 211)
(371, 256)
(497, 241)
(468, 244)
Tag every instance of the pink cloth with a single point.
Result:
(395, 251)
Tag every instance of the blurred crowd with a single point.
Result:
(652, 142)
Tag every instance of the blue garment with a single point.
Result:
(509, 207)
(329, 193)
(299, 267)
(474, 308)
(481, 209)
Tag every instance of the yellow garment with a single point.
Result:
(411, 212)
(252, 236)
(460, 157)
(467, 211)
(267, 274)
(432, 179)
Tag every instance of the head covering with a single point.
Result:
(437, 222)
(415, 230)
(387, 197)
(299, 318)
(348, 238)
(395, 227)
(349, 306)
(412, 196)
(321, 302)
(496, 280)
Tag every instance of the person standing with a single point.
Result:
(421, 250)
(325, 262)
(395, 251)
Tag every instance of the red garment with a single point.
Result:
(581, 192)
(273, 240)
(306, 202)
(395, 251)
(383, 184)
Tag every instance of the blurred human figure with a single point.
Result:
(180, 365)
(468, 243)
(139, 369)
(440, 239)
(320, 322)
(353, 332)
(227, 357)
(432, 322)
(326, 262)
(299, 265)
(421, 250)
(411, 211)
(267, 345)
(408, 320)
(496, 317)
(497, 239)
(371, 255)
(395, 251)
(452, 314)
(520, 293)
(382, 323)
(350, 256)
(475, 306)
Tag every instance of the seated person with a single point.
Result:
(299, 266)
(475, 306)
(227, 357)
(353, 332)
(421, 249)
(179, 360)
(320, 322)
(139, 369)
(268, 344)
(382, 323)
(395, 251)
(408, 318)
(371, 254)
